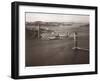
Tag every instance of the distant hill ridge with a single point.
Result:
(41, 23)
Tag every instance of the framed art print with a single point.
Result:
(51, 40)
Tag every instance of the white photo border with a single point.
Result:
(24, 71)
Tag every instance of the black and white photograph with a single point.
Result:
(56, 39)
(50, 40)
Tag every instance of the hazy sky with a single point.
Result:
(31, 17)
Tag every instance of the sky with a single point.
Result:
(47, 17)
